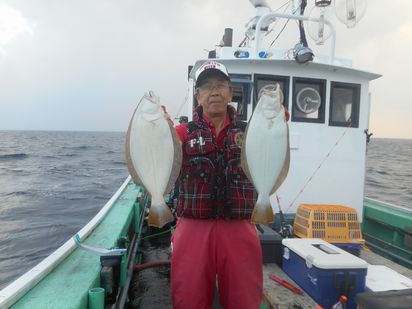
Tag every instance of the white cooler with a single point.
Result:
(323, 270)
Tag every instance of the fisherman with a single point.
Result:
(214, 240)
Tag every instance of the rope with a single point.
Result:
(157, 234)
(286, 23)
(151, 264)
(181, 105)
(317, 169)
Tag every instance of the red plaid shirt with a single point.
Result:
(212, 184)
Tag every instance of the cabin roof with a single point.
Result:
(306, 67)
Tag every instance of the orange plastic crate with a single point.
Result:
(333, 223)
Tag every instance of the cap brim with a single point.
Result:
(211, 73)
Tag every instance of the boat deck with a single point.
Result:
(275, 295)
(279, 297)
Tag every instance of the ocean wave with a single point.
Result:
(119, 163)
(18, 171)
(101, 197)
(14, 156)
(50, 157)
(20, 193)
(373, 184)
(81, 147)
(69, 155)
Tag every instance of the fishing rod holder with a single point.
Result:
(99, 251)
(113, 263)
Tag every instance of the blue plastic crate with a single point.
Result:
(323, 270)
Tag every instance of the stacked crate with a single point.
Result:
(335, 224)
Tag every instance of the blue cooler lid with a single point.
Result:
(321, 254)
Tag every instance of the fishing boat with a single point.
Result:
(329, 103)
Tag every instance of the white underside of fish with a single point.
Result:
(265, 158)
(152, 156)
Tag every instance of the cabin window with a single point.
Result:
(344, 104)
(308, 100)
(269, 82)
(241, 86)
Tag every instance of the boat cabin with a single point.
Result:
(329, 105)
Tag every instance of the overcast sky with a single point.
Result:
(84, 64)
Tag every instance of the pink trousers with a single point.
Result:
(208, 250)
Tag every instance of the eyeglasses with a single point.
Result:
(207, 87)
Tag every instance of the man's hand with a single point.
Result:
(287, 115)
(167, 115)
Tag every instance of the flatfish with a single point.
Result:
(265, 153)
(153, 155)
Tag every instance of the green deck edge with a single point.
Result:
(263, 305)
(68, 284)
(383, 228)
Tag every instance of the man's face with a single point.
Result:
(214, 95)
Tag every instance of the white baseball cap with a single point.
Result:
(209, 69)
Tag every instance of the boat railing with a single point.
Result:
(388, 205)
(271, 15)
(11, 293)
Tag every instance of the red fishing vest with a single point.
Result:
(212, 183)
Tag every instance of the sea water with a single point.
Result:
(389, 171)
(53, 183)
